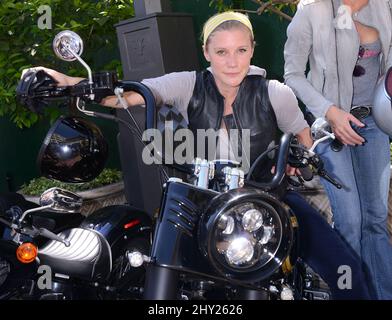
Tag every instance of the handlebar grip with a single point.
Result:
(336, 145)
(5, 222)
(306, 173)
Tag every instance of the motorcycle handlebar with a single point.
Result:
(149, 99)
(280, 169)
(84, 89)
(106, 85)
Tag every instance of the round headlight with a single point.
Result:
(252, 220)
(251, 234)
(227, 224)
(240, 251)
(246, 234)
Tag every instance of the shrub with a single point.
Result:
(36, 186)
(23, 44)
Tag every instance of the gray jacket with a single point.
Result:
(317, 35)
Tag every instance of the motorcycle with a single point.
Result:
(218, 235)
(12, 206)
(87, 257)
(86, 261)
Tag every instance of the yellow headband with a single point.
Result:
(216, 20)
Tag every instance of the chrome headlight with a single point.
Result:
(246, 233)
(252, 234)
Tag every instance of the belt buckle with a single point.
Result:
(360, 112)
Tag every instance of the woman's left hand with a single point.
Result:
(290, 171)
(305, 138)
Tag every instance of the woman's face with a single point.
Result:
(229, 53)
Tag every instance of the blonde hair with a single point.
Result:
(215, 21)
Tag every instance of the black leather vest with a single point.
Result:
(252, 110)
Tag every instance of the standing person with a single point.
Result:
(347, 44)
(231, 94)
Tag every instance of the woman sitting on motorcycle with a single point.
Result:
(234, 94)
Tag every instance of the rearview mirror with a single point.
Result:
(61, 200)
(67, 45)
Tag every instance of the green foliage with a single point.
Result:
(280, 6)
(221, 5)
(36, 186)
(23, 44)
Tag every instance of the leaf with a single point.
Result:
(93, 20)
(33, 117)
(4, 46)
(14, 55)
(18, 60)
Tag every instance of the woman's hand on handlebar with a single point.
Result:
(131, 99)
(62, 79)
(304, 137)
(290, 171)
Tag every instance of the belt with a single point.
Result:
(361, 112)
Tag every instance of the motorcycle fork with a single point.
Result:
(161, 283)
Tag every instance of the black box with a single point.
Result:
(157, 44)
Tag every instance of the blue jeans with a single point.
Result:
(360, 209)
(325, 252)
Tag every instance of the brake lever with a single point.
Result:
(50, 235)
(34, 232)
(322, 173)
(313, 164)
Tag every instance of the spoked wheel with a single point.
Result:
(129, 280)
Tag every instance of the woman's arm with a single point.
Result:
(304, 137)
(132, 98)
(296, 54)
(289, 116)
(174, 89)
(61, 78)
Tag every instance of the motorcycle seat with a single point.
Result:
(88, 257)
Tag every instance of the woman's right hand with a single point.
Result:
(339, 121)
(62, 79)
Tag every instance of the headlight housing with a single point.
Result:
(246, 234)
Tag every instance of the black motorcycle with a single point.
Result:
(13, 273)
(218, 235)
(86, 260)
(87, 257)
